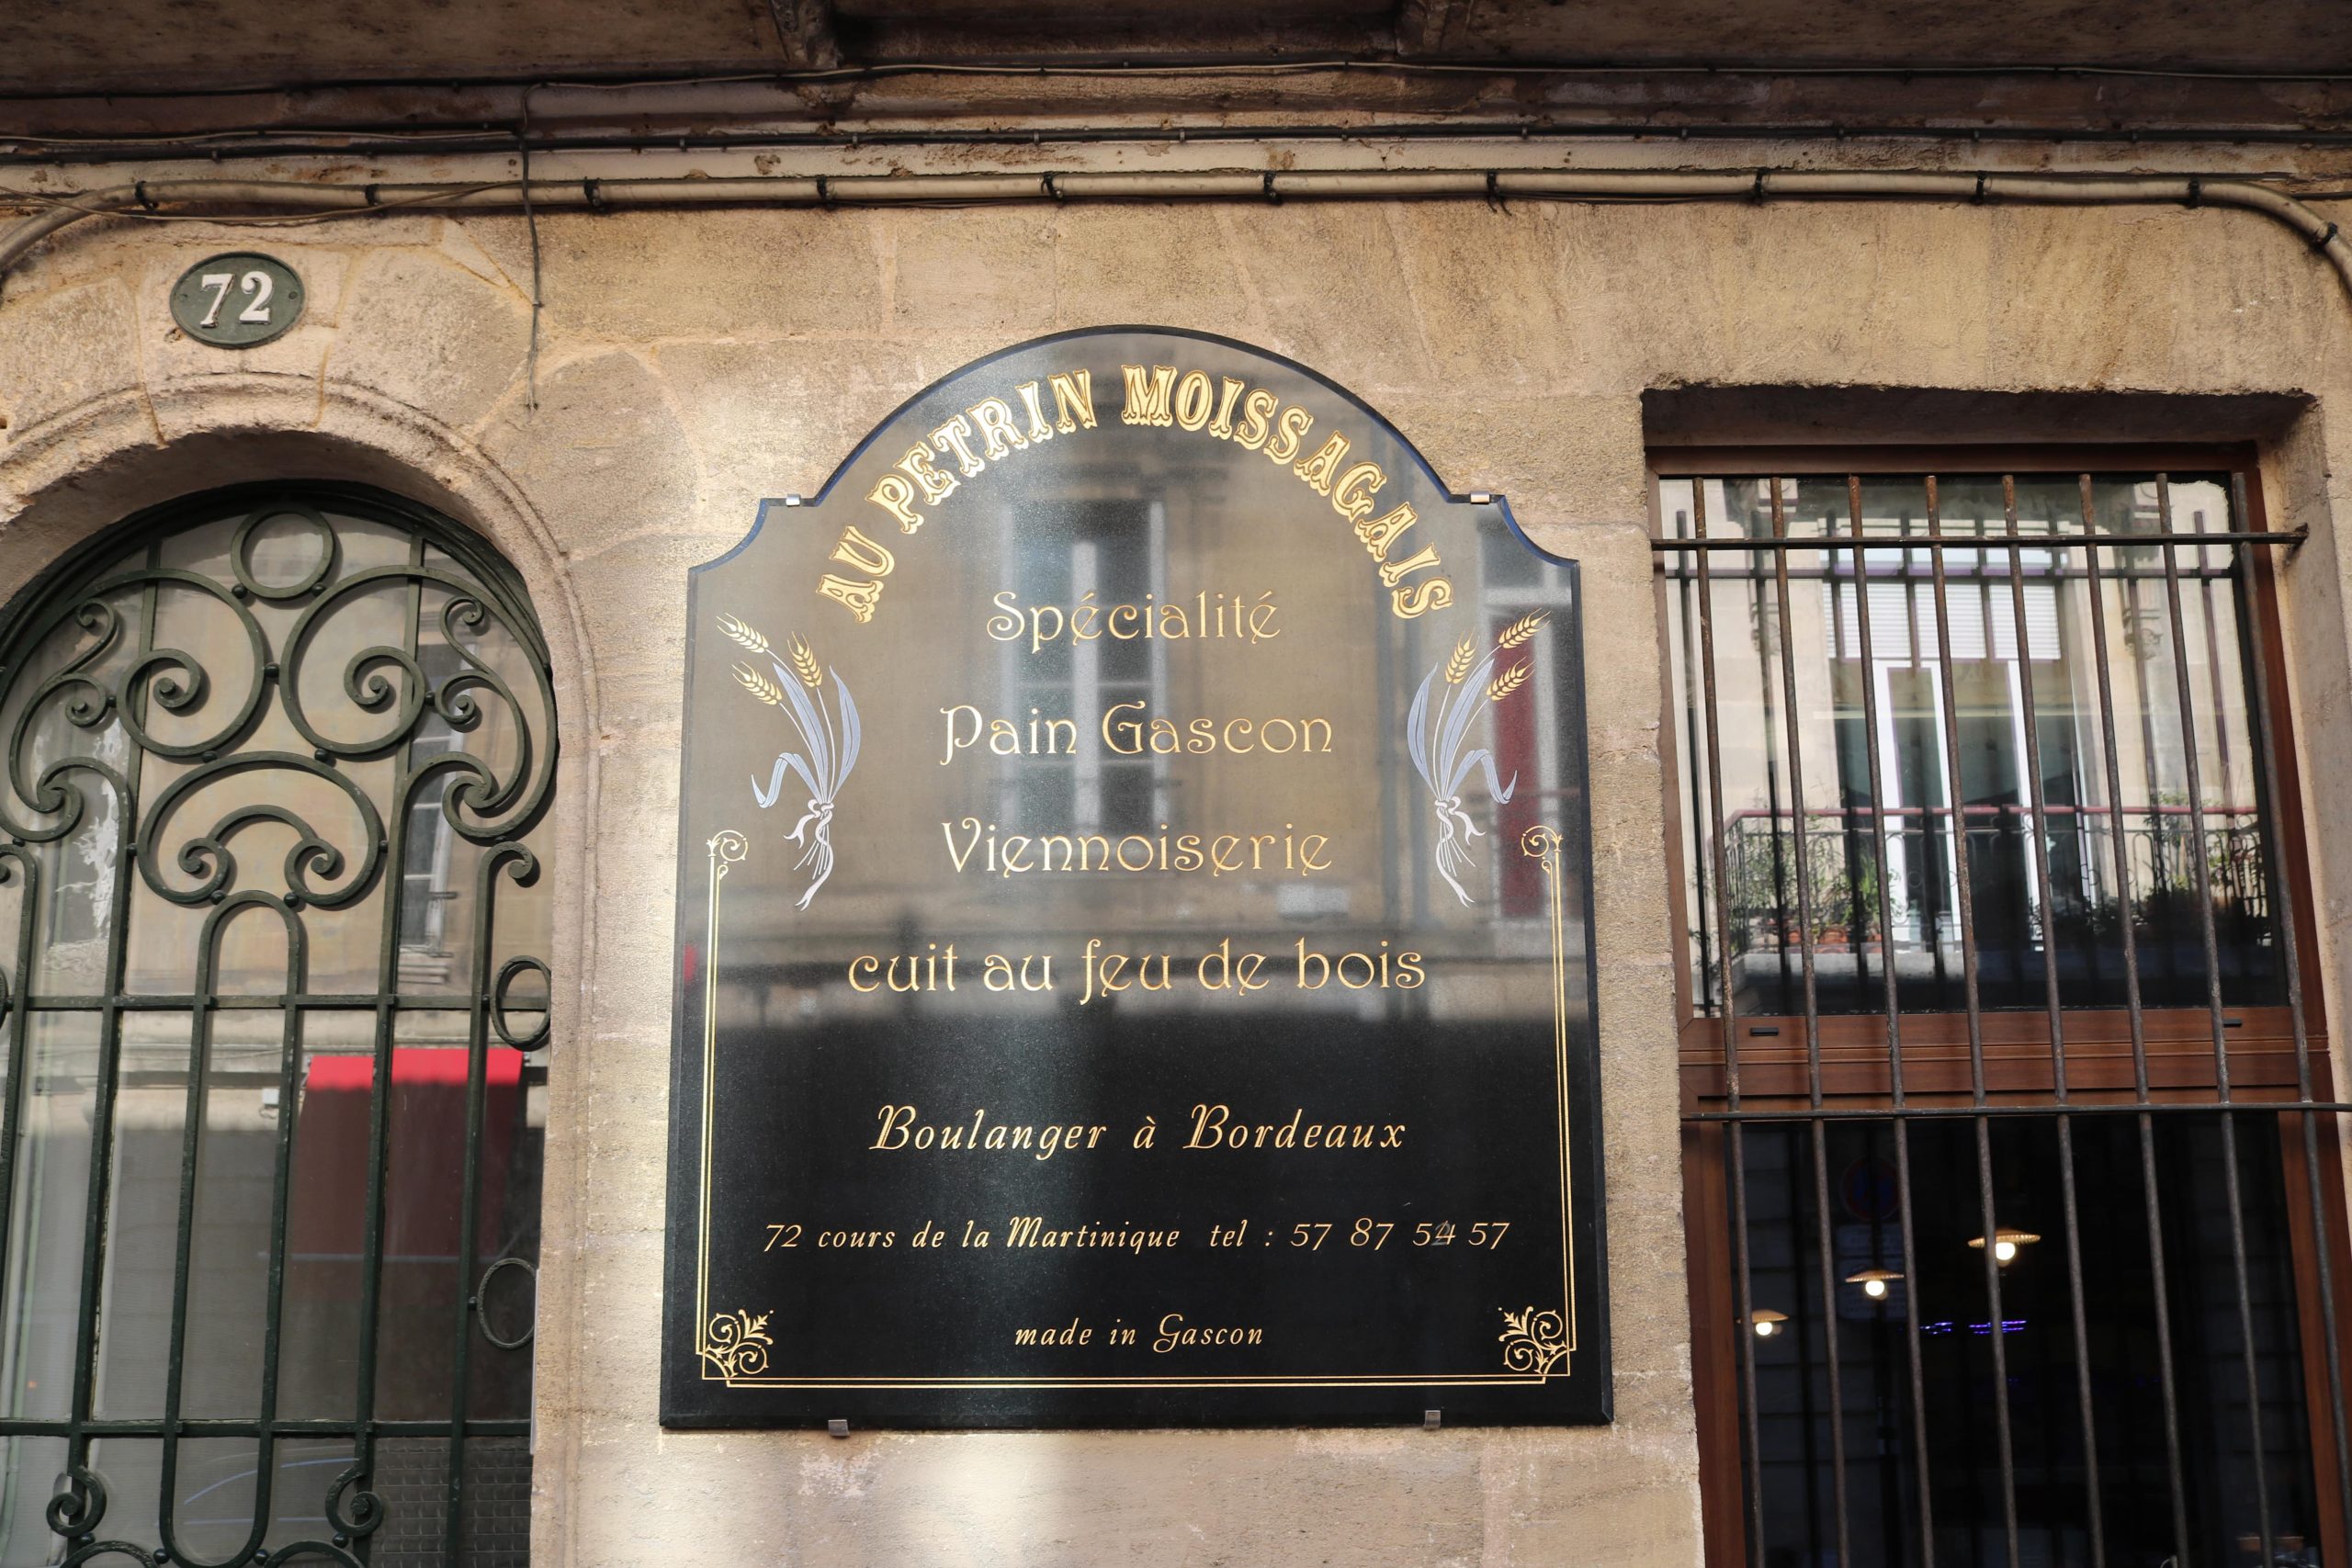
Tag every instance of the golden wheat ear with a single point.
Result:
(1459, 664)
(1520, 630)
(1506, 682)
(804, 662)
(744, 634)
(759, 685)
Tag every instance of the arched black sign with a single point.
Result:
(1135, 925)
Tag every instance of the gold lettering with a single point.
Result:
(917, 466)
(895, 1120)
(861, 597)
(856, 550)
(959, 742)
(1289, 431)
(1030, 404)
(1073, 394)
(895, 496)
(994, 418)
(1317, 471)
(956, 436)
(1352, 497)
(1222, 425)
(1397, 571)
(1256, 409)
(1147, 393)
(1193, 401)
(1379, 532)
(1434, 593)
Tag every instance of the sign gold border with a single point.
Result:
(1538, 1344)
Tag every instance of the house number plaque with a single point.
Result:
(1134, 954)
(241, 299)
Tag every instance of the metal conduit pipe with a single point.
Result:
(196, 197)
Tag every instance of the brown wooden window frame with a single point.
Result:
(2267, 1054)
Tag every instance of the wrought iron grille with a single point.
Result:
(269, 1145)
(2010, 1139)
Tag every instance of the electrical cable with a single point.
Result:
(27, 151)
(1171, 67)
(206, 197)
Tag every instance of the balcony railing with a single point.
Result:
(1843, 865)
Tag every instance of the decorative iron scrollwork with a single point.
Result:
(348, 675)
(78, 1508)
(353, 1513)
(481, 1303)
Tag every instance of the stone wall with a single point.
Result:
(689, 363)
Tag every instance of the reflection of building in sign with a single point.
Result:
(1061, 553)
(1528, 745)
(1154, 828)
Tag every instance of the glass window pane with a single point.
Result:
(1892, 730)
(1950, 1307)
(49, 1216)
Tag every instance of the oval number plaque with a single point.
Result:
(237, 300)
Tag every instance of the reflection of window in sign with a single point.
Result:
(1515, 582)
(1061, 552)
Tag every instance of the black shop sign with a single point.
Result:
(1135, 925)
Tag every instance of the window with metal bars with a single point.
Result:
(2011, 1145)
(278, 763)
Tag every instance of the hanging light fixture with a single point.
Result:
(1874, 1281)
(2005, 1243)
(1767, 1322)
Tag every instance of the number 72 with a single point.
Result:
(256, 282)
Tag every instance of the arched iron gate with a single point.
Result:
(269, 1150)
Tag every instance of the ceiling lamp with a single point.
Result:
(2005, 1243)
(1874, 1281)
(1767, 1322)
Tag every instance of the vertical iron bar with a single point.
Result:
(2052, 1004)
(2263, 742)
(2206, 928)
(1797, 1334)
(380, 1109)
(191, 1154)
(1893, 1001)
(479, 999)
(1743, 1286)
(1691, 747)
(1933, 911)
(109, 1063)
(2136, 1015)
(19, 998)
(2213, 676)
(1956, 808)
(1827, 1248)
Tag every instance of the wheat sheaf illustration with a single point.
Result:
(794, 684)
(1437, 737)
